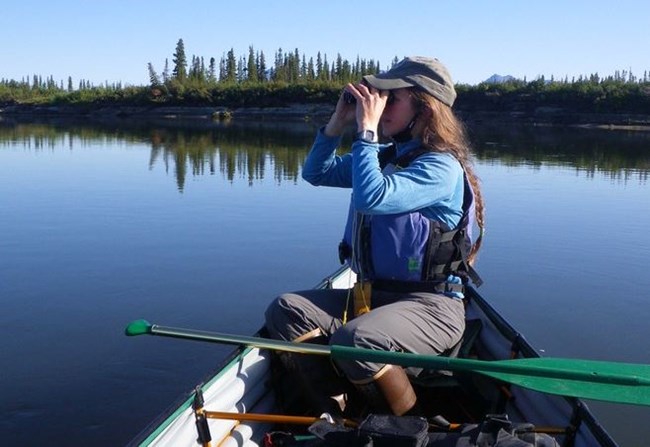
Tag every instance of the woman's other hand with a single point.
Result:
(344, 114)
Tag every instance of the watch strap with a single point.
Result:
(366, 135)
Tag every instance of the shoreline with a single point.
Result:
(542, 116)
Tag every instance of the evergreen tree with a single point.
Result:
(197, 69)
(251, 65)
(180, 62)
(241, 69)
(319, 66)
(212, 71)
(338, 71)
(165, 73)
(222, 69)
(311, 72)
(192, 68)
(70, 88)
(325, 73)
(203, 71)
(231, 67)
(261, 67)
(279, 72)
(154, 80)
(295, 66)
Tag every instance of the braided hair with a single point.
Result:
(444, 132)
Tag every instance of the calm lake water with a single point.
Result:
(201, 224)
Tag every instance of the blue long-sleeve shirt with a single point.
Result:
(432, 183)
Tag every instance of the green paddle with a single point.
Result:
(607, 381)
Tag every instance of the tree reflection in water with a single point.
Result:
(249, 149)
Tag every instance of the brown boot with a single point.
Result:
(397, 394)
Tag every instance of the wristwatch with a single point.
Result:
(367, 136)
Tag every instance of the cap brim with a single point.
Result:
(387, 84)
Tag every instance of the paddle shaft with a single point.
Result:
(273, 418)
(256, 342)
(404, 358)
(306, 420)
(481, 366)
(607, 381)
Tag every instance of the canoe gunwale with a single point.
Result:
(164, 420)
(581, 411)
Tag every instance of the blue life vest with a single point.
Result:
(409, 252)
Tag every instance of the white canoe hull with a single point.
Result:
(242, 385)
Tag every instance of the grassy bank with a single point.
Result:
(608, 97)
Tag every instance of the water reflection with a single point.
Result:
(102, 251)
(232, 150)
(620, 155)
(249, 149)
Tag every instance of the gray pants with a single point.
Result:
(424, 323)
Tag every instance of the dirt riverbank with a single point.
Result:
(545, 116)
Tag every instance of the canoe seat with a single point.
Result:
(462, 349)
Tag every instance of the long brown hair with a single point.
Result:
(444, 132)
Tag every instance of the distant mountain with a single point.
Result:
(498, 79)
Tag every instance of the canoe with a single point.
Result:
(244, 384)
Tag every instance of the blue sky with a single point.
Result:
(114, 40)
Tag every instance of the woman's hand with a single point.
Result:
(370, 105)
(344, 114)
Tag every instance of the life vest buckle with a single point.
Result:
(362, 297)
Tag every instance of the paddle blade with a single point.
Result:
(605, 385)
(138, 327)
(608, 381)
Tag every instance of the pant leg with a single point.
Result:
(310, 316)
(299, 316)
(418, 322)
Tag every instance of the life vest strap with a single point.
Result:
(397, 286)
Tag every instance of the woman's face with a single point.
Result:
(398, 113)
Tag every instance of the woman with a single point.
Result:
(407, 236)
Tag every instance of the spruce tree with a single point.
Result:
(180, 62)
(165, 73)
(231, 66)
(261, 67)
(222, 69)
(311, 73)
(278, 69)
(154, 80)
(319, 66)
(212, 71)
(251, 66)
(325, 72)
(241, 69)
(338, 71)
